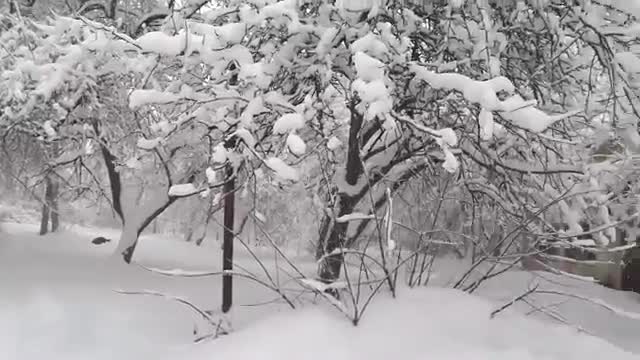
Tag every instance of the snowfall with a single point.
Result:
(61, 298)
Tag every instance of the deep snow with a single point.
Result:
(57, 302)
(421, 324)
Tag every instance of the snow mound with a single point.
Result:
(425, 323)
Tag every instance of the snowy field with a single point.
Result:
(58, 302)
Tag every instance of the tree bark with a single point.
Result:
(631, 270)
(115, 182)
(55, 214)
(333, 235)
(131, 232)
(210, 211)
(113, 5)
(47, 206)
(227, 247)
(44, 220)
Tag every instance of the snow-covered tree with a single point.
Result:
(351, 98)
(387, 84)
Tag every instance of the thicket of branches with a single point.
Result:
(494, 129)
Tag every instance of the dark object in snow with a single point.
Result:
(228, 236)
(100, 240)
(631, 270)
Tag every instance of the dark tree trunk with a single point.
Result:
(631, 270)
(227, 247)
(44, 221)
(127, 254)
(113, 5)
(333, 235)
(55, 214)
(46, 206)
(115, 182)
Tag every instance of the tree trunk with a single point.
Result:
(332, 235)
(44, 221)
(113, 5)
(189, 234)
(46, 206)
(133, 229)
(631, 270)
(210, 211)
(129, 236)
(55, 214)
(227, 247)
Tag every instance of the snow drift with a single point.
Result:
(420, 324)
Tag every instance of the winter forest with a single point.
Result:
(319, 179)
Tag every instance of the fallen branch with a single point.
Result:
(183, 273)
(515, 300)
(596, 301)
(204, 314)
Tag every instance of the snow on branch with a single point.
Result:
(287, 123)
(149, 144)
(188, 189)
(518, 111)
(354, 217)
(281, 169)
(530, 117)
(480, 92)
(183, 190)
(141, 97)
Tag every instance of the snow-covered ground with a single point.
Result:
(57, 301)
(422, 324)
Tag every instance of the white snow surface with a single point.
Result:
(149, 144)
(182, 190)
(367, 67)
(161, 43)
(485, 122)
(141, 97)
(211, 175)
(287, 123)
(49, 130)
(57, 302)
(219, 154)
(333, 143)
(354, 217)
(451, 163)
(282, 169)
(529, 117)
(296, 145)
(246, 136)
(420, 324)
(515, 109)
